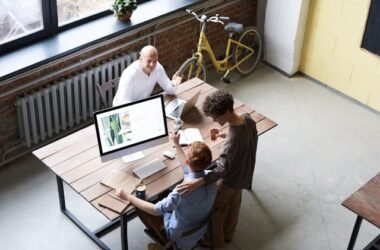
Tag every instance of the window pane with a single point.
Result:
(72, 10)
(19, 18)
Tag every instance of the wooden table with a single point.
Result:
(365, 202)
(75, 160)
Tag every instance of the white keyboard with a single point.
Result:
(149, 169)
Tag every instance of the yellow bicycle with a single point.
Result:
(241, 54)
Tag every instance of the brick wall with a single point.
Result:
(174, 45)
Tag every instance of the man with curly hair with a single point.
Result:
(234, 168)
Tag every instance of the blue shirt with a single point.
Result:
(183, 213)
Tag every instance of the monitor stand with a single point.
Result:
(133, 157)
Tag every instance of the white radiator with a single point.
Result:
(70, 102)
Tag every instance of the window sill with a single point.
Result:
(85, 35)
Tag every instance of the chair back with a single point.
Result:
(206, 222)
(107, 90)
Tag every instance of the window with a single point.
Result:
(13, 21)
(73, 10)
(23, 22)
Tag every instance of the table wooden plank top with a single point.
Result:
(75, 158)
(365, 202)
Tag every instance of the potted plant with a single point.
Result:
(123, 9)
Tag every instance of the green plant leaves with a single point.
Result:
(121, 7)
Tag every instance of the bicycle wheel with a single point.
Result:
(252, 39)
(188, 70)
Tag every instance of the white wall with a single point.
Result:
(284, 29)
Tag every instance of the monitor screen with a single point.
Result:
(131, 127)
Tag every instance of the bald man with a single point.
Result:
(139, 78)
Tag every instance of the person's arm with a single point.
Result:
(221, 166)
(180, 153)
(169, 203)
(187, 187)
(163, 80)
(141, 204)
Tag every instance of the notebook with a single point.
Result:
(113, 203)
(189, 136)
(118, 179)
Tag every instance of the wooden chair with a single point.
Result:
(107, 89)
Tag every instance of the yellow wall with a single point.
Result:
(332, 52)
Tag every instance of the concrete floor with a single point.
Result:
(325, 147)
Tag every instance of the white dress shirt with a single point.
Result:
(135, 84)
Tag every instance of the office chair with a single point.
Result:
(107, 89)
(171, 243)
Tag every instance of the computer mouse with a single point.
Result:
(168, 154)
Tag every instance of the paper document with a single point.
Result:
(189, 136)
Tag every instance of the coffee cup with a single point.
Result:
(140, 191)
(214, 133)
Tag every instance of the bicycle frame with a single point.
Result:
(220, 65)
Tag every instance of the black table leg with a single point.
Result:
(95, 235)
(61, 194)
(355, 232)
(72, 217)
(123, 230)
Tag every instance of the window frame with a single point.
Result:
(32, 56)
(50, 26)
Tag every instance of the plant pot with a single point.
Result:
(125, 17)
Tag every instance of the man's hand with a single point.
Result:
(185, 188)
(175, 137)
(176, 79)
(122, 194)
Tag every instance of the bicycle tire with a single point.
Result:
(188, 70)
(251, 38)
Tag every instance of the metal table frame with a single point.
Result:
(98, 233)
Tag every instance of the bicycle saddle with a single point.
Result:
(234, 27)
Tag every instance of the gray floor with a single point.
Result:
(325, 147)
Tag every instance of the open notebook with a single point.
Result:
(189, 136)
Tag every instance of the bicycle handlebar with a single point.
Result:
(215, 19)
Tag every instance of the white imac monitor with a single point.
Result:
(131, 127)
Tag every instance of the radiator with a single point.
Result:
(68, 103)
